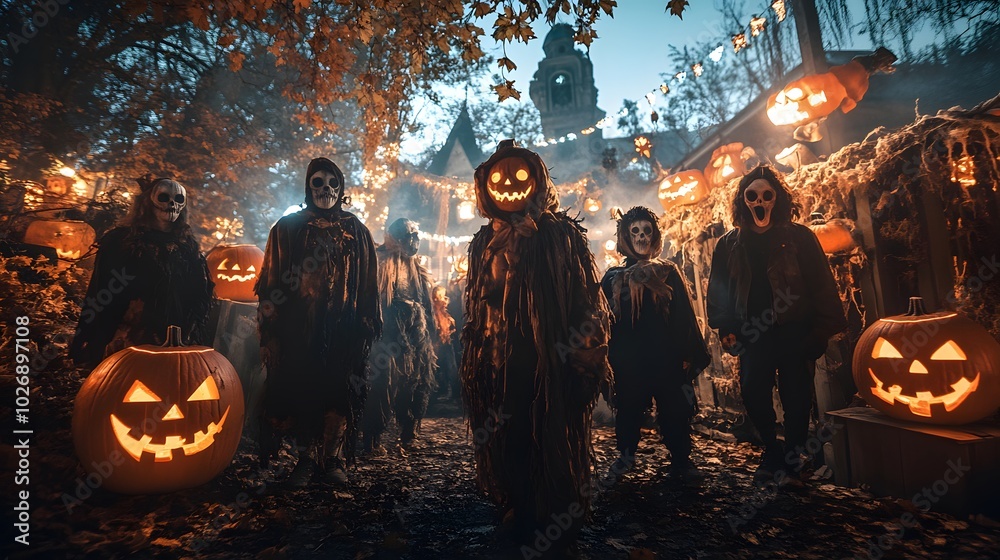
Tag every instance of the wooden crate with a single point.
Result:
(919, 462)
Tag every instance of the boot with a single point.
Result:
(335, 472)
(303, 472)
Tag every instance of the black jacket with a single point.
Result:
(802, 286)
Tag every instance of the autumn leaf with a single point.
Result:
(480, 9)
(506, 91)
(608, 6)
(506, 64)
(585, 36)
(676, 7)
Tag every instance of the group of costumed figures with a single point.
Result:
(351, 334)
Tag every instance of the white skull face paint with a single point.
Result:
(169, 199)
(325, 187)
(759, 198)
(641, 235)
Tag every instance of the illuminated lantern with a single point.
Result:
(679, 189)
(466, 210)
(963, 171)
(71, 239)
(834, 236)
(510, 183)
(813, 97)
(643, 146)
(724, 165)
(153, 419)
(234, 270)
(592, 205)
(937, 368)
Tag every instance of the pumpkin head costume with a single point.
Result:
(535, 342)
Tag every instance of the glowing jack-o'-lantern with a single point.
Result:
(937, 368)
(510, 184)
(234, 270)
(724, 165)
(834, 236)
(815, 96)
(166, 417)
(71, 239)
(679, 189)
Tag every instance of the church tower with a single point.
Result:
(563, 88)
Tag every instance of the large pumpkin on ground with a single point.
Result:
(164, 417)
(234, 270)
(937, 368)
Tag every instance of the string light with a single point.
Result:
(698, 69)
(716, 55)
(740, 42)
(779, 9)
(757, 25)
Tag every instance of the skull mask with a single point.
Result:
(407, 236)
(169, 198)
(759, 197)
(641, 235)
(325, 188)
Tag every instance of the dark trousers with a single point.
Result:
(674, 406)
(777, 350)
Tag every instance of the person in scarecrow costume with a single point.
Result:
(148, 274)
(773, 299)
(535, 338)
(318, 317)
(403, 360)
(656, 346)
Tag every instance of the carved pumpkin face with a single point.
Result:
(173, 414)
(679, 189)
(234, 269)
(938, 368)
(724, 165)
(71, 239)
(510, 184)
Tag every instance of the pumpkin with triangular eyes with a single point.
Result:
(165, 417)
(234, 270)
(511, 184)
(936, 368)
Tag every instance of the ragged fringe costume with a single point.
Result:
(535, 345)
(319, 309)
(654, 334)
(403, 360)
(144, 280)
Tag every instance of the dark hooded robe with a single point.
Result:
(144, 280)
(535, 341)
(403, 360)
(319, 307)
(655, 333)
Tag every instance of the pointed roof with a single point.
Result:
(462, 138)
